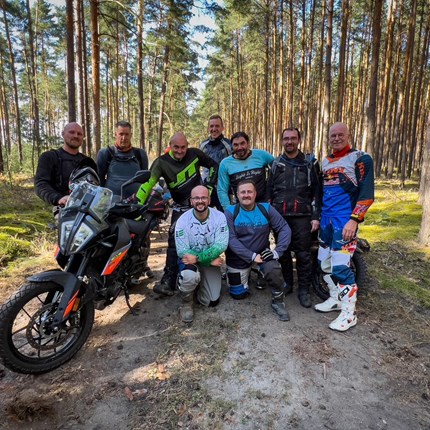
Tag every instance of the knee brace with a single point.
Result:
(235, 287)
(188, 279)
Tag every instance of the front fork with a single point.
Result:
(71, 283)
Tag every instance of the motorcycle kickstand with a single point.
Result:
(127, 300)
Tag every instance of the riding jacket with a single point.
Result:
(294, 186)
(181, 176)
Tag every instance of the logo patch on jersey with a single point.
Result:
(183, 176)
(331, 176)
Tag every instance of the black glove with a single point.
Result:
(267, 255)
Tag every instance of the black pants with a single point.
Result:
(171, 268)
(301, 241)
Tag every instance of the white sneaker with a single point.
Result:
(328, 306)
(344, 321)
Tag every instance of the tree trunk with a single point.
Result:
(80, 62)
(71, 94)
(32, 78)
(163, 99)
(424, 234)
(140, 94)
(342, 52)
(373, 91)
(327, 93)
(95, 45)
(407, 88)
(14, 84)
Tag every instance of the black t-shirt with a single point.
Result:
(51, 181)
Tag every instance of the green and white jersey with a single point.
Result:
(207, 240)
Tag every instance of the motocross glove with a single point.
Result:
(267, 255)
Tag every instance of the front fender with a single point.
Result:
(71, 285)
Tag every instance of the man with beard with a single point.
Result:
(180, 168)
(51, 182)
(244, 164)
(217, 147)
(295, 192)
(249, 225)
(201, 236)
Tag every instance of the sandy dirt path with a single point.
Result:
(235, 367)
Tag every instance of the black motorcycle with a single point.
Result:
(101, 245)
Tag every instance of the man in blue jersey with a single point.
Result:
(348, 192)
(249, 225)
(242, 165)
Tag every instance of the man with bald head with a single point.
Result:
(51, 182)
(201, 236)
(180, 168)
(348, 192)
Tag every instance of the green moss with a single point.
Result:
(395, 214)
(396, 260)
(23, 217)
(420, 294)
(12, 247)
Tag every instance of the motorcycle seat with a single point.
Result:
(136, 227)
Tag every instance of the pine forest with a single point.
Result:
(265, 65)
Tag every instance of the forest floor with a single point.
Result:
(235, 367)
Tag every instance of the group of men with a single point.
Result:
(228, 198)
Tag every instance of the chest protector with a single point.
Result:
(122, 167)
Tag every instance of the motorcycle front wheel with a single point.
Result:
(28, 343)
(358, 266)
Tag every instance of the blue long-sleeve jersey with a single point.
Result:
(233, 170)
(348, 190)
(249, 234)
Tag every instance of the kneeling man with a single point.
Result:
(201, 236)
(249, 226)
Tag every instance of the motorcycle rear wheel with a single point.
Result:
(358, 266)
(27, 344)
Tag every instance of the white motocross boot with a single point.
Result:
(332, 303)
(347, 317)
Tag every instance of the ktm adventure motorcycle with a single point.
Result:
(100, 249)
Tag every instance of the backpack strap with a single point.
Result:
(110, 154)
(236, 211)
(263, 210)
(138, 156)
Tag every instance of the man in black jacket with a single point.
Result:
(295, 191)
(217, 147)
(51, 182)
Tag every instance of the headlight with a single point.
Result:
(82, 236)
(66, 228)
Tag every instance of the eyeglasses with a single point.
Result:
(337, 136)
(199, 199)
(290, 139)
